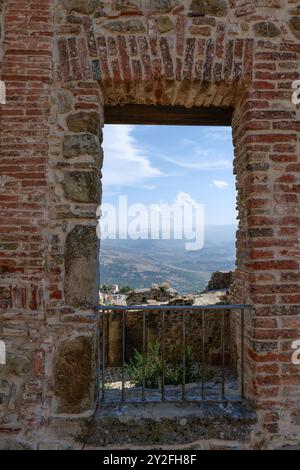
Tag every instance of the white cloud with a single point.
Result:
(148, 187)
(183, 199)
(220, 184)
(214, 133)
(126, 162)
(187, 142)
(218, 133)
(201, 152)
(203, 164)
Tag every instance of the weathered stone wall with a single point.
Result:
(172, 333)
(49, 192)
(65, 59)
(220, 280)
(24, 143)
(155, 293)
(1, 29)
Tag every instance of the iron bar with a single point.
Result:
(144, 352)
(123, 355)
(183, 311)
(243, 353)
(103, 355)
(163, 356)
(203, 359)
(183, 356)
(223, 353)
(175, 307)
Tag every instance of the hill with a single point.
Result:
(140, 263)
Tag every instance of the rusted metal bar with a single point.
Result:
(224, 310)
(223, 353)
(243, 353)
(183, 355)
(123, 354)
(103, 354)
(199, 308)
(144, 352)
(203, 359)
(163, 397)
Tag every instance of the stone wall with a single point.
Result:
(173, 335)
(220, 280)
(1, 29)
(63, 61)
(154, 293)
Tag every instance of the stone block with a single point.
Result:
(82, 186)
(296, 417)
(266, 29)
(129, 26)
(164, 24)
(63, 100)
(81, 267)
(74, 376)
(17, 364)
(81, 6)
(84, 122)
(208, 7)
(294, 24)
(76, 145)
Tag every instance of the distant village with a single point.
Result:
(164, 293)
(115, 295)
(112, 295)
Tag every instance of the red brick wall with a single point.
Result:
(24, 151)
(24, 147)
(60, 62)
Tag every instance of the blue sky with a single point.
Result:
(153, 164)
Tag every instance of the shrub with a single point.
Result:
(125, 290)
(150, 363)
(174, 371)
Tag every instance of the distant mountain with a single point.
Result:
(140, 263)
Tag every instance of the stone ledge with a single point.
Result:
(168, 423)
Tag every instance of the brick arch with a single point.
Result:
(88, 54)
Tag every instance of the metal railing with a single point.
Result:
(181, 312)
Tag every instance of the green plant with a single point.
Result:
(174, 371)
(125, 290)
(150, 365)
(147, 365)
